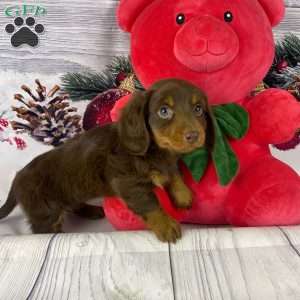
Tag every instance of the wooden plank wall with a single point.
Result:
(83, 34)
(78, 34)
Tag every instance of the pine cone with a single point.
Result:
(49, 117)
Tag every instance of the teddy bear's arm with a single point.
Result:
(274, 116)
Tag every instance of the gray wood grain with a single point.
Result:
(292, 3)
(236, 264)
(84, 36)
(292, 233)
(290, 24)
(78, 34)
(21, 259)
(208, 263)
(132, 266)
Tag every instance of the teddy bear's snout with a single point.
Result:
(206, 44)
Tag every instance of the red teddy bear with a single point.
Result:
(225, 48)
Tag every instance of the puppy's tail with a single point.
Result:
(9, 205)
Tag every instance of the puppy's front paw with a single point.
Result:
(159, 179)
(165, 228)
(182, 196)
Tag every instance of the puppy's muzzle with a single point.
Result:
(191, 137)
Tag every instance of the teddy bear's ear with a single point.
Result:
(274, 9)
(129, 10)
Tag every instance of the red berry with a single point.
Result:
(4, 123)
(21, 145)
(282, 65)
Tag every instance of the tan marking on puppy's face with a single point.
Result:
(178, 116)
(194, 99)
(169, 101)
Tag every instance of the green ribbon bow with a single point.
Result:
(229, 121)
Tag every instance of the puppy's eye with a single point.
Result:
(165, 112)
(198, 110)
(228, 16)
(180, 19)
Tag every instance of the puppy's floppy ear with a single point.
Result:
(132, 126)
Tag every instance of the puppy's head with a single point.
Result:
(179, 116)
(174, 113)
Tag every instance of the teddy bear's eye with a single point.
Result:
(228, 16)
(180, 19)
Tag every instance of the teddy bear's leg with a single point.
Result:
(120, 216)
(268, 193)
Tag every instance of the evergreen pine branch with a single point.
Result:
(122, 64)
(287, 77)
(280, 53)
(138, 84)
(119, 64)
(86, 86)
(291, 45)
(288, 49)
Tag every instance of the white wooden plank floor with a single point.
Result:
(236, 264)
(208, 263)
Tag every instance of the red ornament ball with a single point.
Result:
(282, 65)
(98, 111)
(4, 122)
(121, 77)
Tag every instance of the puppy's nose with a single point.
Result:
(191, 136)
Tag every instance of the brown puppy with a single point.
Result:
(126, 159)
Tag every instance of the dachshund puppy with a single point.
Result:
(126, 159)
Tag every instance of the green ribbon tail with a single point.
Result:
(197, 162)
(224, 159)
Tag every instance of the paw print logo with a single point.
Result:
(24, 34)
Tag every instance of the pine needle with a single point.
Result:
(86, 86)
